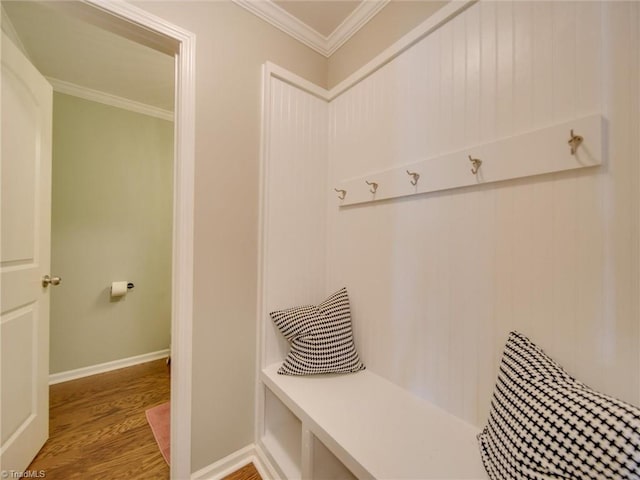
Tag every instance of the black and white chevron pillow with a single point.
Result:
(544, 424)
(320, 336)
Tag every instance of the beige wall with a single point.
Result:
(392, 22)
(9, 30)
(111, 220)
(231, 46)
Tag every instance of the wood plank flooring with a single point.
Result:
(98, 428)
(248, 472)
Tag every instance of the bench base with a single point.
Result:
(371, 426)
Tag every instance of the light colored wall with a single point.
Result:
(9, 29)
(438, 280)
(396, 19)
(112, 200)
(231, 46)
(296, 189)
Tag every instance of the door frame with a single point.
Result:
(143, 27)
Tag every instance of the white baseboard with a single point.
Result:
(265, 468)
(235, 461)
(106, 367)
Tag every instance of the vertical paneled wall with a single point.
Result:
(294, 209)
(438, 280)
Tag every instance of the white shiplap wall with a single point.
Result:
(437, 280)
(294, 202)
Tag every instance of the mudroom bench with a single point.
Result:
(367, 424)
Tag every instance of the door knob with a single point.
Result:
(47, 280)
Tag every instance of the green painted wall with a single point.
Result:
(111, 220)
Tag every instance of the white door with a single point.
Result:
(25, 223)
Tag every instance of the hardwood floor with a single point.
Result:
(98, 428)
(248, 472)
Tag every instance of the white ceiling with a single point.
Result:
(66, 48)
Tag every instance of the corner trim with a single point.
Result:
(250, 454)
(60, 377)
(273, 70)
(86, 93)
(283, 20)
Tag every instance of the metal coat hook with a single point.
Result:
(374, 186)
(476, 162)
(574, 142)
(341, 193)
(416, 177)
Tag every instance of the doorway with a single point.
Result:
(135, 24)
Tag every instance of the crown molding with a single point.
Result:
(354, 22)
(69, 88)
(283, 20)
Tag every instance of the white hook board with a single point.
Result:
(537, 152)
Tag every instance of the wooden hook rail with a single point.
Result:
(532, 153)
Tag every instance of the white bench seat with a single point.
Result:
(379, 430)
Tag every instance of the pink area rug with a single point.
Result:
(158, 418)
